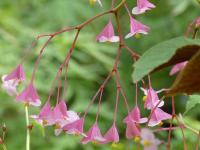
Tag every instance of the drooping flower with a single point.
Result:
(142, 6)
(131, 128)
(135, 116)
(157, 116)
(45, 117)
(93, 135)
(137, 27)
(60, 112)
(11, 80)
(108, 34)
(148, 140)
(9, 86)
(63, 117)
(92, 2)
(112, 135)
(29, 96)
(178, 67)
(151, 99)
(75, 127)
(71, 117)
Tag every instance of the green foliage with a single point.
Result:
(22, 20)
(192, 103)
(158, 55)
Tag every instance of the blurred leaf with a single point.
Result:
(192, 103)
(160, 54)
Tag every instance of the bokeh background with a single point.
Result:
(22, 20)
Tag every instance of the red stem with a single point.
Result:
(198, 140)
(38, 59)
(67, 58)
(99, 105)
(184, 140)
(116, 105)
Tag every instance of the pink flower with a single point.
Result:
(107, 35)
(45, 117)
(142, 6)
(135, 116)
(60, 112)
(94, 135)
(151, 98)
(62, 117)
(148, 140)
(112, 135)
(75, 127)
(178, 67)
(157, 116)
(29, 96)
(131, 128)
(136, 28)
(71, 117)
(9, 86)
(11, 80)
(16, 74)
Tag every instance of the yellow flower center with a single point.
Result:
(137, 35)
(144, 98)
(44, 122)
(114, 145)
(95, 142)
(160, 124)
(57, 126)
(136, 139)
(147, 143)
(77, 134)
(92, 2)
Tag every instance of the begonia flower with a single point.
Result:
(108, 34)
(142, 6)
(29, 96)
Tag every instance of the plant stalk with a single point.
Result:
(27, 129)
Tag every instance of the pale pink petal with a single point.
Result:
(157, 116)
(63, 108)
(147, 135)
(137, 27)
(129, 35)
(135, 116)
(112, 135)
(93, 134)
(114, 39)
(17, 74)
(132, 130)
(45, 117)
(99, 1)
(75, 127)
(9, 86)
(107, 34)
(29, 96)
(178, 67)
(142, 6)
(152, 99)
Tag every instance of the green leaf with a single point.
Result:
(193, 102)
(162, 53)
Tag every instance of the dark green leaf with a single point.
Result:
(162, 53)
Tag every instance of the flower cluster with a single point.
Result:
(70, 122)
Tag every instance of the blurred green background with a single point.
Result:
(22, 20)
